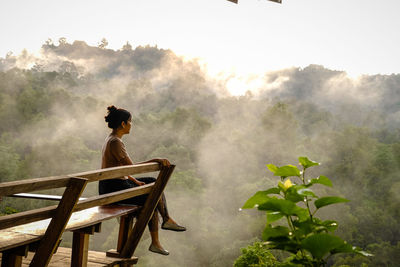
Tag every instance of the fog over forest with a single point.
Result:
(52, 113)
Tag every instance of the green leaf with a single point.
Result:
(324, 201)
(297, 193)
(293, 195)
(359, 251)
(321, 244)
(347, 248)
(260, 197)
(306, 163)
(305, 227)
(282, 205)
(256, 199)
(288, 170)
(273, 190)
(321, 180)
(277, 231)
(273, 216)
(306, 192)
(330, 225)
(301, 213)
(272, 168)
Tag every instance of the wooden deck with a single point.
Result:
(63, 259)
(41, 229)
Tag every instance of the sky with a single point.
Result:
(254, 36)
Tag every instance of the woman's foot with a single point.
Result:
(159, 250)
(170, 224)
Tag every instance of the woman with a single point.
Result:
(114, 154)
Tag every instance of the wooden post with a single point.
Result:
(80, 245)
(146, 212)
(13, 257)
(58, 223)
(80, 249)
(125, 227)
(11, 260)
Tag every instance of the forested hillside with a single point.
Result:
(52, 109)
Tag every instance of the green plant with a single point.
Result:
(309, 239)
(255, 255)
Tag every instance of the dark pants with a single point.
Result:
(112, 185)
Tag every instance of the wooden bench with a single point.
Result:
(40, 230)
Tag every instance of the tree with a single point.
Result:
(103, 43)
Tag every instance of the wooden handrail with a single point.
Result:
(40, 196)
(116, 172)
(71, 202)
(48, 212)
(29, 185)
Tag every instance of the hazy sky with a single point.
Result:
(357, 36)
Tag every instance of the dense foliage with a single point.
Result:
(52, 111)
(309, 240)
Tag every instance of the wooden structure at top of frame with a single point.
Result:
(15, 244)
(276, 1)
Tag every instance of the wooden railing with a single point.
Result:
(69, 202)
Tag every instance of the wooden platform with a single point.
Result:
(11, 237)
(63, 259)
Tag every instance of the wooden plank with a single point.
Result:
(95, 258)
(26, 217)
(9, 240)
(147, 212)
(40, 196)
(97, 215)
(48, 212)
(113, 197)
(59, 222)
(31, 232)
(80, 248)
(29, 185)
(11, 260)
(116, 172)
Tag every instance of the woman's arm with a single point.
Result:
(127, 161)
(163, 162)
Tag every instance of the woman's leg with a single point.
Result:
(162, 203)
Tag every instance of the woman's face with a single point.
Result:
(128, 126)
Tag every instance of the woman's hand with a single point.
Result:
(163, 162)
(139, 183)
(136, 181)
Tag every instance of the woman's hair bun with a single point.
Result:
(116, 116)
(112, 109)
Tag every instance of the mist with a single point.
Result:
(53, 107)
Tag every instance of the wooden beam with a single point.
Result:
(80, 249)
(116, 172)
(113, 197)
(26, 217)
(40, 196)
(146, 212)
(277, 1)
(11, 260)
(58, 223)
(48, 212)
(29, 185)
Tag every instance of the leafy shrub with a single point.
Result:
(309, 239)
(255, 255)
